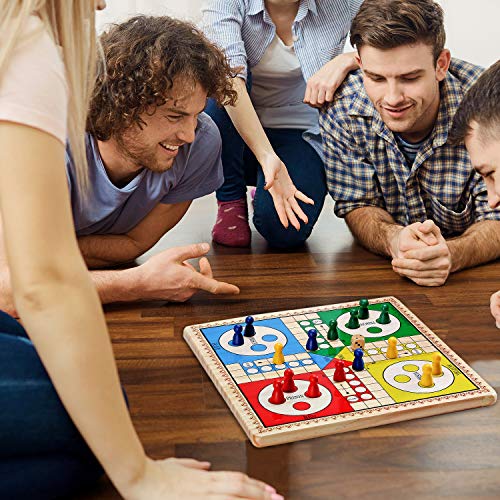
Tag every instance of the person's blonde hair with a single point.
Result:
(71, 24)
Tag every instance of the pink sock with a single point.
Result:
(231, 228)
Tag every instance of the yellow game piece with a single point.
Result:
(392, 352)
(278, 358)
(426, 380)
(437, 370)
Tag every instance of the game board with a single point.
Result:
(386, 391)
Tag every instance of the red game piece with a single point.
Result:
(313, 389)
(277, 397)
(339, 374)
(288, 383)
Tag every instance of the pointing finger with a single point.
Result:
(213, 286)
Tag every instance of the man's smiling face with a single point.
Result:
(403, 85)
(170, 126)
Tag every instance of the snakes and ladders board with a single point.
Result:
(387, 389)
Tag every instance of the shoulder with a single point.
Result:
(350, 7)
(207, 134)
(350, 92)
(227, 6)
(93, 155)
(33, 89)
(464, 73)
(351, 86)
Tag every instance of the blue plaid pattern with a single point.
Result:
(365, 167)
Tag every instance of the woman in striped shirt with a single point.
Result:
(287, 60)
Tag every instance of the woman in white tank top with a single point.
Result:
(288, 57)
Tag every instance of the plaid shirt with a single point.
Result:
(365, 167)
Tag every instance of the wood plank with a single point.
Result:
(176, 409)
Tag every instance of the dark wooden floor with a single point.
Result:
(177, 410)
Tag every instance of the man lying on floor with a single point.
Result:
(151, 151)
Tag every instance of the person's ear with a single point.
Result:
(442, 64)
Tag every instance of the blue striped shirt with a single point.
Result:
(244, 30)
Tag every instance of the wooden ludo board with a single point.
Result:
(386, 391)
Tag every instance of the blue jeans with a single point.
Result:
(42, 454)
(241, 168)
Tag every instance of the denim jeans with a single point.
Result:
(42, 454)
(241, 168)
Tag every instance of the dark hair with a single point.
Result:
(481, 104)
(386, 24)
(142, 58)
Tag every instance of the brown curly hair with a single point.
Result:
(141, 58)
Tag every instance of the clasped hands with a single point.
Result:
(420, 253)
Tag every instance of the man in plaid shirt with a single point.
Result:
(403, 190)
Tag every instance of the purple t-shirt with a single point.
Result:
(197, 171)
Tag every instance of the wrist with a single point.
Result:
(264, 154)
(392, 240)
(348, 61)
(454, 260)
(135, 284)
(128, 480)
(117, 286)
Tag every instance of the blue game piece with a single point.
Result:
(249, 328)
(312, 343)
(237, 337)
(358, 364)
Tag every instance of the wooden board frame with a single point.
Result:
(261, 436)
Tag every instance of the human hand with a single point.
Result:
(495, 307)
(180, 479)
(168, 275)
(421, 254)
(322, 85)
(283, 191)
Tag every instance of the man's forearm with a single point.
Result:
(374, 228)
(247, 123)
(117, 286)
(479, 244)
(108, 250)
(112, 286)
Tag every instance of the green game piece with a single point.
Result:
(384, 318)
(333, 334)
(353, 320)
(363, 309)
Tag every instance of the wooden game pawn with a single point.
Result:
(392, 351)
(278, 358)
(437, 370)
(426, 380)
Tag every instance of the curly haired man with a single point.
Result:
(151, 151)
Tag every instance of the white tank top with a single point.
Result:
(278, 89)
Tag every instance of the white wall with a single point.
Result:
(472, 27)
